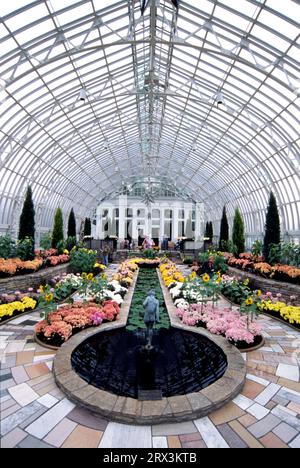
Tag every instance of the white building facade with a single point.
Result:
(128, 217)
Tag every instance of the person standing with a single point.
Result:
(105, 254)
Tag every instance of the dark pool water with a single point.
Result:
(180, 362)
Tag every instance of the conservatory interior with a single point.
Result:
(150, 224)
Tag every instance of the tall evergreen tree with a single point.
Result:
(26, 224)
(224, 229)
(71, 224)
(210, 231)
(206, 233)
(272, 226)
(238, 232)
(58, 228)
(87, 227)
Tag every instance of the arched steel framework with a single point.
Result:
(93, 93)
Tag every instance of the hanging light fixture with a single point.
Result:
(82, 95)
(220, 102)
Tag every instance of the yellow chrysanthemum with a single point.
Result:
(90, 276)
(84, 276)
(66, 252)
(259, 293)
(41, 288)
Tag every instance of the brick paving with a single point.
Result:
(35, 413)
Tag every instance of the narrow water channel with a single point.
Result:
(180, 362)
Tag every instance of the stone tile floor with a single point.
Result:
(35, 413)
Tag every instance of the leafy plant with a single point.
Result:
(149, 253)
(236, 291)
(7, 247)
(220, 264)
(70, 243)
(58, 230)
(24, 248)
(83, 260)
(26, 224)
(257, 248)
(46, 241)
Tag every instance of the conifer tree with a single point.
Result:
(71, 224)
(238, 232)
(272, 226)
(224, 229)
(26, 224)
(58, 228)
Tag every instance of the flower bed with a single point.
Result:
(279, 309)
(15, 266)
(256, 265)
(68, 320)
(195, 300)
(225, 322)
(12, 308)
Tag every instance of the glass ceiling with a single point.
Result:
(94, 94)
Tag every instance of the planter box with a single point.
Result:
(32, 280)
(274, 286)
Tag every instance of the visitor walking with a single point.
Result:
(105, 254)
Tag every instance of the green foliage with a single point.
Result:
(188, 260)
(46, 241)
(60, 247)
(203, 256)
(83, 260)
(238, 232)
(220, 264)
(7, 247)
(24, 248)
(72, 224)
(272, 227)
(147, 280)
(224, 229)
(287, 253)
(228, 246)
(58, 228)
(26, 224)
(236, 291)
(87, 227)
(149, 253)
(70, 243)
(257, 248)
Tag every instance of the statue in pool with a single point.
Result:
(151, 316)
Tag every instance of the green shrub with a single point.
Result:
(149, 253)
(220, 264)
(83, 260)
(70, 243)
(46, 241)
(7, 247)
(24, 248)
(257, 248)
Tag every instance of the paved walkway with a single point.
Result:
(35, 413)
